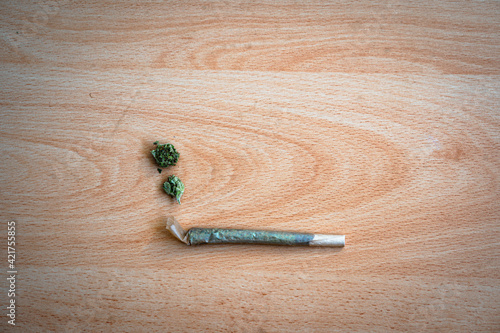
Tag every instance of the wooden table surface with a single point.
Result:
(377, 120)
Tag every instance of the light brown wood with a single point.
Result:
(379, 121)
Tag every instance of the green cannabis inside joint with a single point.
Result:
(165, 155)
(174, 187)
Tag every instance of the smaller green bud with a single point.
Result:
(165, 155)
(174, 187)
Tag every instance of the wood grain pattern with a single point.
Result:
(377, 120)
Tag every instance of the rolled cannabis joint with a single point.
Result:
(196, 236)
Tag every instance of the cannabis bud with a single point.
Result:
(165, 155)
(174, 187)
